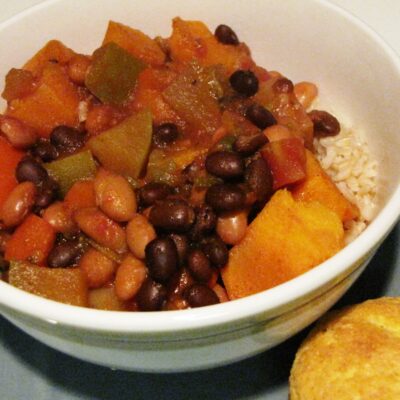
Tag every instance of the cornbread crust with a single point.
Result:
(352, 354)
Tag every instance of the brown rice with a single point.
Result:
(347, 160)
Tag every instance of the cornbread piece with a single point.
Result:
(352, 354)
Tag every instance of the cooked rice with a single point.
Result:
(347, 160)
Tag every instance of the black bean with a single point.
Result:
(64, 255)
(179, 282)
(182, 246)
(173, 215)
(44, 150)
(205, 222)
(161, 258)
(225, 164)
(29, 169)
(244, 83)
(259, 179)
(199, 295)
(216, 251)
(325, 124)
(151, 296)
(191, 171)
(283, 86)
(225, 197)
(226, 35)
(152, 192)
(165, 134)
(46, 193)
(199, 265)
(248, 145)
(260, 116)
(67, 139)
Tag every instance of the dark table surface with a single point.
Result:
(31, 370)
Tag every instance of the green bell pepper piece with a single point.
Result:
(71, 169)
(113, 74)
(124, 148)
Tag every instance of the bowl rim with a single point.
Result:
(241, 309)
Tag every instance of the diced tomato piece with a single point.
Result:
(287, 160)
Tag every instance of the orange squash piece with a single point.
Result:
(66, 285)
(192, 40)
(53, 51)
(54, 102)
(285, 240)
(318, 186)
(9, 159)
(148, 95)
(81, 195)
(31, 241)
(135, 42)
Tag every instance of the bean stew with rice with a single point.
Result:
(162, 174)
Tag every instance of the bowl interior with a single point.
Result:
(357, 74)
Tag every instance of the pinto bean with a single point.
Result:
(305, 92)
(18, 204)
(18, 134)
(98, 268)
(129, 278)
(221, 293)
(59, 217)
(114, 195)
(101, 229)
(139, 233)
(232, 227)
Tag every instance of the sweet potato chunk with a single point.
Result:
(81, 195)
(192, 40)
(285, 240)
(54, 102)
(135, 42)
(32, 241)
(66, 285)
(53, 51)
(148, 95)
(318, 186)
(9, 159)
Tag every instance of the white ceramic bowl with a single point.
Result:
(359, 79)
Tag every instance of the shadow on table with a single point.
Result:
(258, 376)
